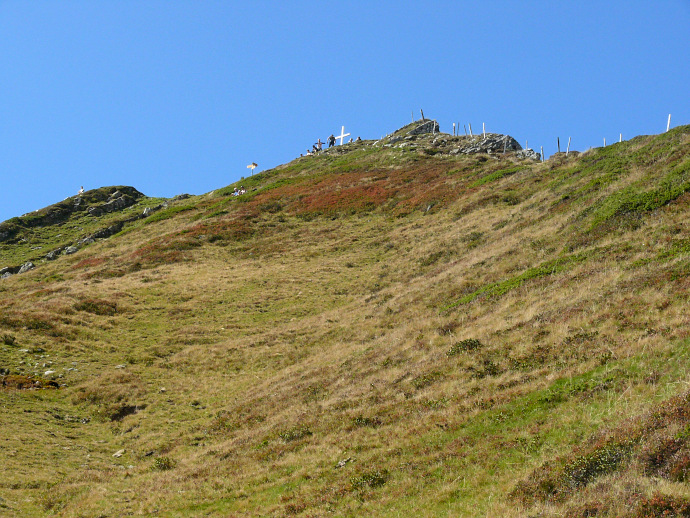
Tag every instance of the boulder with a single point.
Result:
(528, 153)
(52, 255)
(26, 267)
(425, 127)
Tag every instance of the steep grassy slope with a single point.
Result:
(374, 331)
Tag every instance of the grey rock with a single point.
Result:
(51, 256)
(71, 250)
(116, 201)
(343, 463)
(395, 139)
(490, 143)
(528, 153)
(5, 275)
(26, 267)
(108, 231)
(425, 127)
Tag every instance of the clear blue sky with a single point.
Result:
(174, 96)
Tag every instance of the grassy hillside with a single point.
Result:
(375, 331)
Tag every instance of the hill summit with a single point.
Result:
(421, 325)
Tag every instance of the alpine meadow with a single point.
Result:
(424, 325)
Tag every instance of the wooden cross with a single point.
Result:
(252, 166)
(342, 135)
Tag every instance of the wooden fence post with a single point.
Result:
(558, 140)
(568, 149)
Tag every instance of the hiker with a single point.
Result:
(331, 140)
(81, 191)
(319, 144)
(359, 139)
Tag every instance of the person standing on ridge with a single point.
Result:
(331, 140)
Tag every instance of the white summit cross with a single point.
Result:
(342, 135)
(252, 166)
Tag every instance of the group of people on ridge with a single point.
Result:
(318, 146)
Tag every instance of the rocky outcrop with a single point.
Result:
(14, 270)
(117, 201)
(103, 233)
(96, 202)
(425, 127)
(108, 231)
(489, 143)
(528, 153)
(445, 144)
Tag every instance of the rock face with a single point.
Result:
(425, 127)
(117, 201)
(491, 143)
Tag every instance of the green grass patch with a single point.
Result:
(497, 289)
(168, 213)
(497, 175)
